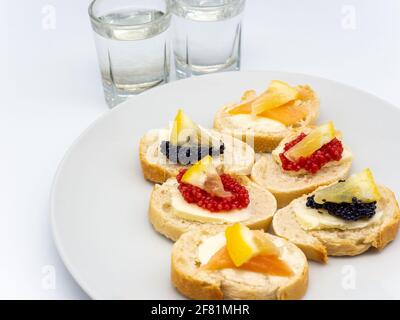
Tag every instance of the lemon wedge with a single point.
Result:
(277, 94)
(185, 130)
(248, 95)
(182, 123)
(360, 185)
(242, 244)
(204, 175)
(312, 142)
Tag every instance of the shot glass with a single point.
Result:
(132, 42)
(206, 36)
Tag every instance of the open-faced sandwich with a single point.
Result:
(164, 152)
(305, 160)
(264, 120)
(235, 262)
(343, 219)
(202, 196)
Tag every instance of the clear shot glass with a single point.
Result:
(206, 36)
(132, 42)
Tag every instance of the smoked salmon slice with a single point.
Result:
(262, 263)
(287, 114)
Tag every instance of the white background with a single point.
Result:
(51, 91)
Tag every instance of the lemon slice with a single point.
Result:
(183, 124)
(242, 244)
(312, 142)
(277, 94)
(204, 175)
(185, 130)
(248, 95)
(361, 186)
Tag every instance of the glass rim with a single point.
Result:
(208, 6)
(93, 17)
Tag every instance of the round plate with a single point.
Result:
(100, 199)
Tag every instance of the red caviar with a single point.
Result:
(332, 151)
(238, 200)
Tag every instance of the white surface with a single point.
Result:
(51, 92)
(100, 199)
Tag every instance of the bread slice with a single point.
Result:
(197, 283)
(265, 138)
(286, 187)
(289, 185)
(238, 157)
(319, 244)
(165, 221)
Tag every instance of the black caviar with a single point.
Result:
(189, 154)
(348, 211)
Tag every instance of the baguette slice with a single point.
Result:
(285, 187)
(266, 138)
(238, 157)
(288, 185)
(165, 221)
(319, 244)
(196, 283)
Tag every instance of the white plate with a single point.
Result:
(100, 199)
